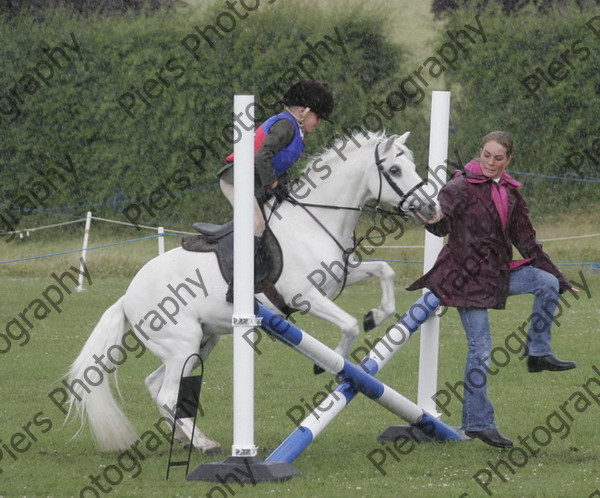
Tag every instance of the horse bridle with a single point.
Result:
(382, 173)
(391, 183)
(347, 252)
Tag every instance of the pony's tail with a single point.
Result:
(91, 395)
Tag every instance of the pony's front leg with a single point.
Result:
(386, 275)
(322, 307)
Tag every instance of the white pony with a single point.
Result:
(176, 303)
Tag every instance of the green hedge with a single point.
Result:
(536, 77)
(177, 137)
(183, 99)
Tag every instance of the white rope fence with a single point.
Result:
(160, 235)
(541, 240)
(161, 232)
(24, 232)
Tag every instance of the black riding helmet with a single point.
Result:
(313, 94)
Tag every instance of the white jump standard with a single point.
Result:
(356, 378)
(243, 451)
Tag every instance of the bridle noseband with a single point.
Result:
(391, 183)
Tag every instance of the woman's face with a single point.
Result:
(493, 159)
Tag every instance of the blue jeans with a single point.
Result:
(478, 412)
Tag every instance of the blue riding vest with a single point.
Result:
(286, 157)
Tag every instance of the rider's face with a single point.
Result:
(311, 121)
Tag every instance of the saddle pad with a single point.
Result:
(266, 269)
(223, 248)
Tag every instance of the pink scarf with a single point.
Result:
(499, 197)
(499, 192)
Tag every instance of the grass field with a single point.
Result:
(38, 457)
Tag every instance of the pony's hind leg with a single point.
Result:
(153, 383)
(166, 400)
(163, 385)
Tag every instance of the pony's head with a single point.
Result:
(398, 183)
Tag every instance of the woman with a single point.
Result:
(484, 215)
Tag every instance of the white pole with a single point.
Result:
(430, 330)
(243, 278)
(244, 454)
(161, 240)
(86, 236)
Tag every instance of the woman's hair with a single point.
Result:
(502, 138)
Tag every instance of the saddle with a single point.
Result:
(268, 257)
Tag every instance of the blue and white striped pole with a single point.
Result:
(356, 378)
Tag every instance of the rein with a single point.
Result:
(347, 252)
(367, 209)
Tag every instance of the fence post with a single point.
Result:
(86, 236)
(161, 240)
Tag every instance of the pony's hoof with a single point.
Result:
(214, 451)
(369, 322)
(317, 370)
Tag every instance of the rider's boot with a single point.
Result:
(262, 257)
(229, 294)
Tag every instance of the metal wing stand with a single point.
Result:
(188, 401)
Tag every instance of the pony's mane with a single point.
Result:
(358, 136)
(356, 141)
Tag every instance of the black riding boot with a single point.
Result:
(229, 294)
(262, 265)
(262, 259)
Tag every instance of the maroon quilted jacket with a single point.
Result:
(472, 270)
